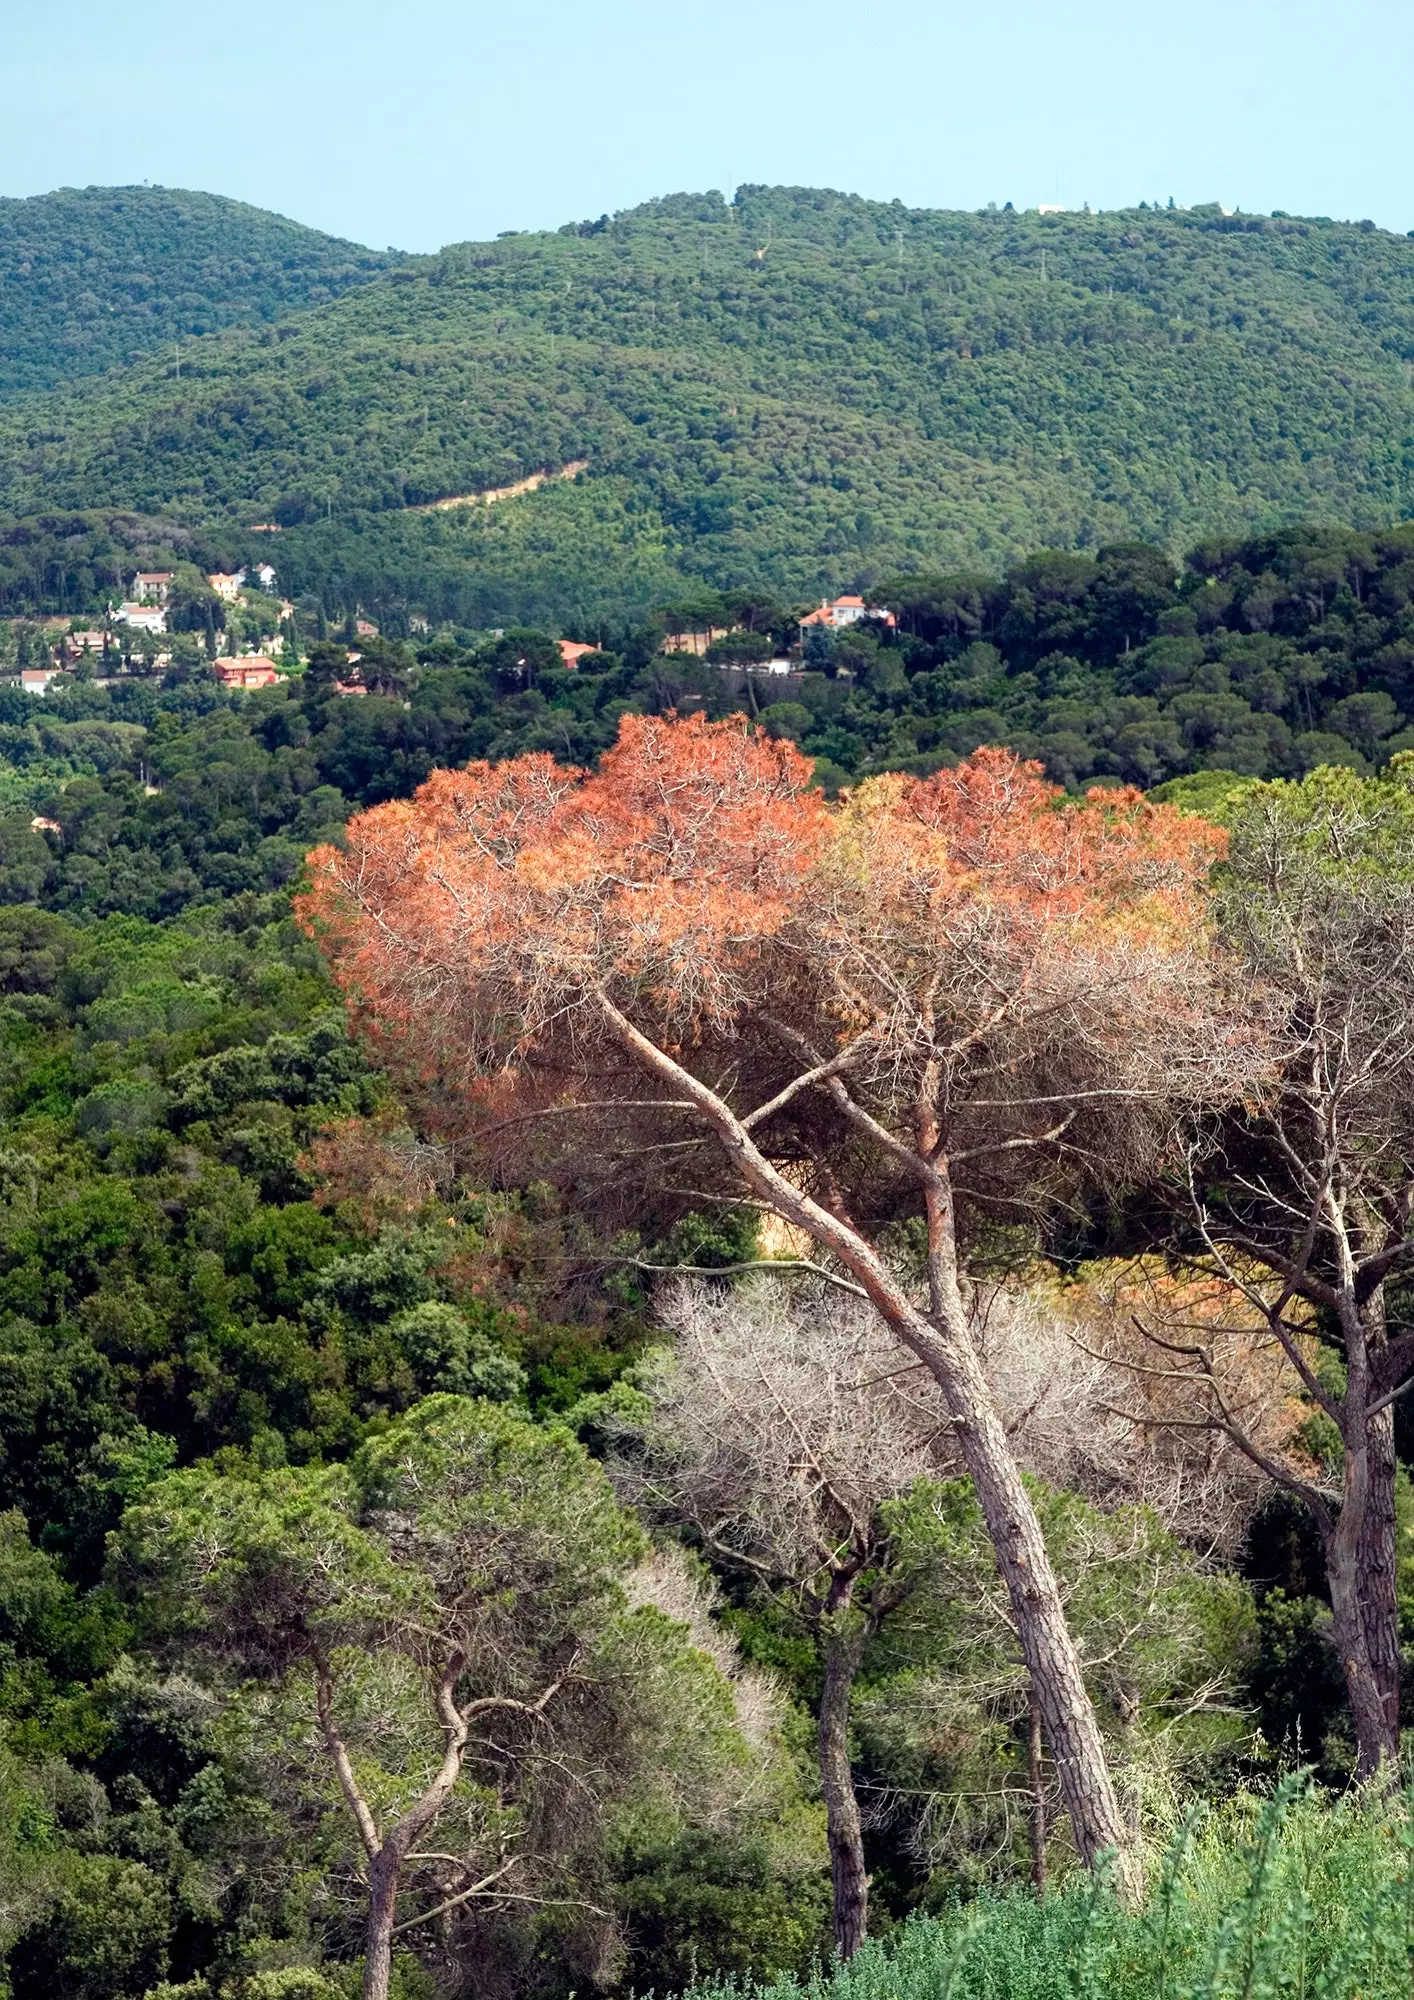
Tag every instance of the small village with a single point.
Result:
(131, 639)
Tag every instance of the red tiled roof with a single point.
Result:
(253, 671)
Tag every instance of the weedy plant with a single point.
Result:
(1292, 1895)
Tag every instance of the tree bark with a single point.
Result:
(1360, 1544)
(843, 1641)
(383, 1871)
(1376, 1745)
(1365, 1628)
(1376, 1549)
(943, 1343)
(1036, 1778)
(1376, 1562)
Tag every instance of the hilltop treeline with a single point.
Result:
(91, 278)
(796, 387)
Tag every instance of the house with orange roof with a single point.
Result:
(255, 671)
(572, 652)
(842, 611)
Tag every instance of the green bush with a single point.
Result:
(1292, 1895)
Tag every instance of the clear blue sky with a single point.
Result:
(430, 121)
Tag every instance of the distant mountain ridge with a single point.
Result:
(798, 388)
(91, 278)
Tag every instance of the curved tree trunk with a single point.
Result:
(943, 1343)
(843, 1642)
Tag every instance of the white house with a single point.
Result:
(141, 617)
(844, 611)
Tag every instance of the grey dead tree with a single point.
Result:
(1301, 1200)
(783, 1428)
(774, 1437)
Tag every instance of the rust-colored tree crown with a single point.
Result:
(967, 923)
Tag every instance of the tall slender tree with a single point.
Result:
(1302, 1198)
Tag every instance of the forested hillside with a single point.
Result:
(254, 1273)
(797, 387)
(668, 1327)
(91, 278)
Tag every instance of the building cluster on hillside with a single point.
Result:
(146, 612)
(831, 615)
(146, 609)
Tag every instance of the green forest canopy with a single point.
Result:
(1266, 657)
(798, 387)
(90, 278)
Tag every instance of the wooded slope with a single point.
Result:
(91, 278)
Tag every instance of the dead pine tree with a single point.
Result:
(944, 996)
(775, 1441)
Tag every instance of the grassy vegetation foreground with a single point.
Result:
(1293, 1895)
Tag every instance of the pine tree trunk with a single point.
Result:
(843, 1646)
(943, 1343)
(383, 1873)
(1360, 1544)
(1376, 1559)
(1376, 1744)
(1067, 1713)
(1376, 1549)
(1036, 1777)
(1357, 1614)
